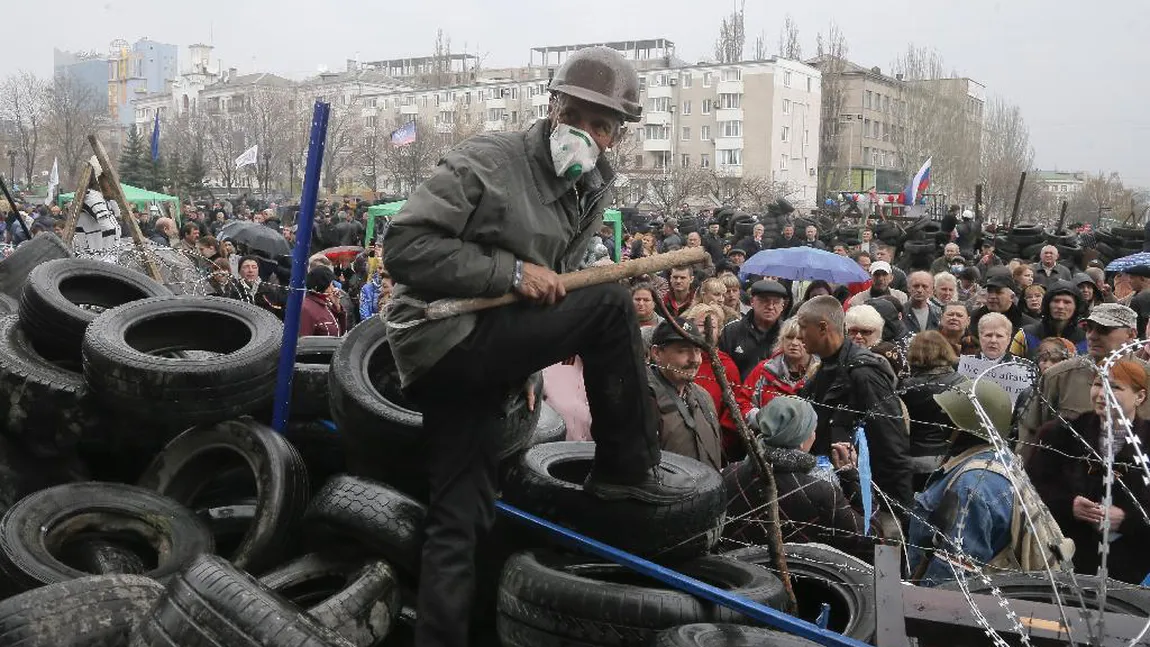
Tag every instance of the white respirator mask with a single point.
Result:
(573, 151)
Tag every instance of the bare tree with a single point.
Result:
(370, 152)
(732, 37)
(73, 113)
(761, 49)
(938, 122)
(831, 60)
(1005, 153)
(1102, 195)
(268, 115)
(673, 186)
(757, 192)
(223, 143)
(789, 45)
(22, 105)
(408, 166)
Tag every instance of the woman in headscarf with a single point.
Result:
(1067, 470)
(812, 508)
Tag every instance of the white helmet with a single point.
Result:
(967, 215)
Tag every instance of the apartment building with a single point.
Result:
(1061, 183)
(754, 119)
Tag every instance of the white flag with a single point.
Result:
(53, 182)
(249, 157)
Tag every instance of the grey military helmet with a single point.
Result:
(600, 75)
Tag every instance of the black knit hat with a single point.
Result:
(319, 278)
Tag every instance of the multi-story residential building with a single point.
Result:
(754, 119)
(136, 71)
(1062, 183)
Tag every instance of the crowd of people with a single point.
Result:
(812, 363)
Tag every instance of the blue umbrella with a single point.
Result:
(1141, 259)
(804, 264)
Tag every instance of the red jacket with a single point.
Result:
(768, 379)
(706, 379)
(318, 319)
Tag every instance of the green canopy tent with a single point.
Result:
(141, 198)
(386, 210)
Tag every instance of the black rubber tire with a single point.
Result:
(1104, 236)
(547, 480)
(1120, 596)
(46, 408)
(182, 469)
(321, 446)
(8, 305)
(33, 529)
(609, 605)
(96, 611)
(820, 574)
(100, 556)
(309, 387)
(51, 309)
(121, 368)
(715, 635)
(1031, 253)
(360, 603)
(15, 269)
(551, 428)
(211, 603)
(367, 518)
(1027, 229)
(919, 247)
(1064, 238)
(519, 428)
(1021, 241)
(383, 433)
(1125, 233)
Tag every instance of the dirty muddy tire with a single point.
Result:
(229, 524)
(309, 387)
(184, 466)
(369, 519)
(819, 574)
(551, 428)
(547, 480)
(128, 359)
(720, 635)
(35, 531)
(568, 599)
(15, 269)
(8, 305)
(102, 557)
(359, 602)
(63, 296)
(211, 603)
(1125, 233)
(47, 408)
(95, 611)
(1120, 596)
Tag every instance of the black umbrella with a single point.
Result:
(256, 237)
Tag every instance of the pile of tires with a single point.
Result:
(1119, 242)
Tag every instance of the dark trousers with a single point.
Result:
(462, 398)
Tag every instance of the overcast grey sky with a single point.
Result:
(1077, 69)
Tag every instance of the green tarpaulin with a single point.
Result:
(134, 194)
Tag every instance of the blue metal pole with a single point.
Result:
(299, 265)
(755, 611)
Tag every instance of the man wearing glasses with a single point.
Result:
(1065, 388)
(507, 212)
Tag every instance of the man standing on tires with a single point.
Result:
(503, 213)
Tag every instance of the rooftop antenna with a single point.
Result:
(211, 33)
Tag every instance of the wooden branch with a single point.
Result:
(771, 489)
(77, 203)
(445, 308)
(110, 185)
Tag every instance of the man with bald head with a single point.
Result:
(921, 313)
(1047, 270)
(164, 232)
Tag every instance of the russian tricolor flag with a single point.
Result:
(918, 186)
(404, 135)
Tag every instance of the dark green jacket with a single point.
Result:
(492, 200)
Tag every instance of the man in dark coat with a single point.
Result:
(749, 340)
(854, 387)
(1000, 298)
(504, 213)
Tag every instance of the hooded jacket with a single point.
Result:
(490, 201)
(1026, 340)
(893, 328)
